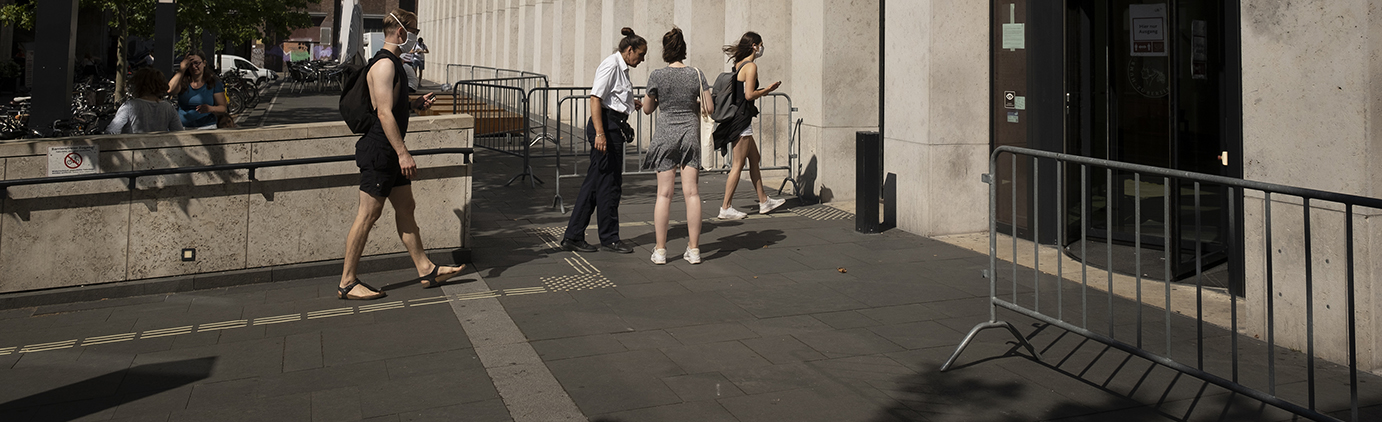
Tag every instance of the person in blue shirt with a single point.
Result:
(200, 94)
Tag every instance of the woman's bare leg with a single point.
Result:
(662, 209)
(755, 175)
(736, 168)
(690, 190)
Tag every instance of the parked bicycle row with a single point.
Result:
(191, 99)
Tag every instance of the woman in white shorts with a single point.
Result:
(744, 53)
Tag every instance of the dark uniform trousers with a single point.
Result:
(604, 182)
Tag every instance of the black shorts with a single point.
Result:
(379, 169)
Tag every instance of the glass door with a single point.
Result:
(1146, 84)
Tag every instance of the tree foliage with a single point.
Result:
(234, 21)
(240, 21)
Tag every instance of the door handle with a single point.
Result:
(1223, 158)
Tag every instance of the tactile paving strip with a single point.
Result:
(568, 283)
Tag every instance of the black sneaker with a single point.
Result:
(616, 247)
(577, 246)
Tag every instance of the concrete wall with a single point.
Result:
(937, 123)
(77, 233)
(1310, 102)
(823, 51)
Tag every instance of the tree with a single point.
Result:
(240, 21)
(234, 20)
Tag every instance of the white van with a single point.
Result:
(253, 74)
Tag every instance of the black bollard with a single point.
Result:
(868, 178)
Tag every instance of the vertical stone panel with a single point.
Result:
(206, 211)
(703, 28)
(1309, 60)
(47, 245)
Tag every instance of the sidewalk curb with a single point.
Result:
(217, 280)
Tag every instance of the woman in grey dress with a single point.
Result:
(682, 94)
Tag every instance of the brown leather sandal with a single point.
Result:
(344, 292)
(433, 280)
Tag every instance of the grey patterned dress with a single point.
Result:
(676, 138)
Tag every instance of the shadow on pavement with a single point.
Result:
(107, 391)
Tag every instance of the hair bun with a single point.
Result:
(628, 32)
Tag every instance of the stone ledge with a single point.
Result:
(178, 284)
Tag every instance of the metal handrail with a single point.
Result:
(133, 175)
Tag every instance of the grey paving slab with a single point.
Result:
(783, 348)
(384, 341)
(888, 315)
(857, 341)
(549, 321)
(714, 357)
(572, 347)
(786, 325)
(841, 320)
(778, 377)
(711, 333)
(776, 301)
(712, 284)
(283, 408)
(647, 339)
(321, 379)
(708, 411)
(302, 351)
(823, 404)
(678, 311)
(222, 394)
(699, 387)
(656, 288)
(424, 392)
(432, 363)
(341, 404)
(492, 410)
(918, 335)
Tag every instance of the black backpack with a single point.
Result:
(356, 108)
(727, 96)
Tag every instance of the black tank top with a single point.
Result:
(401, 104)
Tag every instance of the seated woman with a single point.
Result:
(200, 94)
(146, 111)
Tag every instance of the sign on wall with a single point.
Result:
(71, 160)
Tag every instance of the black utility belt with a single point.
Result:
(623, 117)
(621, 121)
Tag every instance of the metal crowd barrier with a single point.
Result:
(500, 107)
(566, 132)
(465, 72)
(1326, 205)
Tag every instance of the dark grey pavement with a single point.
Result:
(792, 317)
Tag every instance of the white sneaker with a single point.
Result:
(659, 256)
(731, 214)
(772, 204)
(692, 255)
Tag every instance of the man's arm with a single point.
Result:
(381, 91)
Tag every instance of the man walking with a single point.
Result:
(386, 167)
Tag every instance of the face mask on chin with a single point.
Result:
(758, 53)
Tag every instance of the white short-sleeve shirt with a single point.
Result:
(612, 84)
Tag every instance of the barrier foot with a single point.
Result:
(985, 326)
(558, 204)
(532, 179)
(795, 188)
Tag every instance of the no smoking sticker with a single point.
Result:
(70, 160)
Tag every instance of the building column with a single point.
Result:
(55, 46)
(165, 33)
